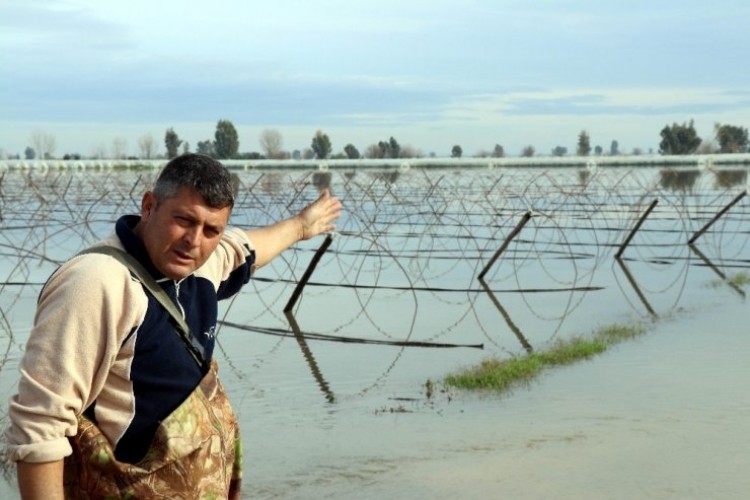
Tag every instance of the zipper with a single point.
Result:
(177, 298)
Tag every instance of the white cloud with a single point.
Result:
(476, 73)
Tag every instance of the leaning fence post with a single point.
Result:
(716, 269)
(308, 272)
(526, 217)
(637, 289)
(716, 217)
(635, 229)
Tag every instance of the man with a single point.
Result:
(112, 400)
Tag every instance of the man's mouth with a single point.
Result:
(183, 256)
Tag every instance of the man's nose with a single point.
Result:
(192, 236)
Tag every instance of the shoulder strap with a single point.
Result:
(194, 347)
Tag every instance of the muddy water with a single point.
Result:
(666, 416)
(663, 416)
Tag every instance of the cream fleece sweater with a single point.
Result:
(81, 350)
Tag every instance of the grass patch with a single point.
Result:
(739, 280)
(501, 375)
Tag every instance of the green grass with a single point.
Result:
(501, 375)
(740, 280)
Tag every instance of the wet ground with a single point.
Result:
(340, 409)
(665, 416)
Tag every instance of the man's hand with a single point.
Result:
(318, 217)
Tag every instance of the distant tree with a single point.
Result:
(351, 152)
(119, 145)
(498, 152)
(707, 148)
(205, 148)
(390, 149)
(637, 152)
(321, 145)
(584, 144)
(297, 154)
(456, 151)
(408, 151)
(614, 148)
(252, 155)
(29, 153)
(147, 145)
(271, 143)
(731, 139)
(71, 156)
(226, 142)
(394, 147)
(679, 139)
(185, 147)
(384, 149)
(598, 150)
(44, 144)
(308, 154)
(373, 151)
(98, 152)
(528, 151)
(559, 151)
(172, 143)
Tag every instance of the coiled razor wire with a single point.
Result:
(415, 239)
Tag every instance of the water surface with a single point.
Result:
(340, 409)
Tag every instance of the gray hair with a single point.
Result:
(206, 175)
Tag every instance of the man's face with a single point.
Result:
(181, 232)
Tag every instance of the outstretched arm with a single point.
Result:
(316, 218)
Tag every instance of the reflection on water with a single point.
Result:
(508, 321)
(634, 283)
(679, 180)
(717, 271)
(726, 179)
(300, 337)
(394, 299)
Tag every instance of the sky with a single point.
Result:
(431, 73)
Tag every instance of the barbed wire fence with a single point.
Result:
(413, 237)
(422, 229)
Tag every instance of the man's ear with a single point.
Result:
(148, 205)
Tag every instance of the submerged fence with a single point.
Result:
(502, 259)
(410, 230)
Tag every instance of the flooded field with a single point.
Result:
(332, 398)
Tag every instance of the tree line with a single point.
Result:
(676, 139)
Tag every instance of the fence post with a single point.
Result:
(526, 217)
(635, 229)
(308, 272)
(716, 217)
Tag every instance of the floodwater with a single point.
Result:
(340, 410)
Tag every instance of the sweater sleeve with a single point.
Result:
(231, 261)
(84, 312)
